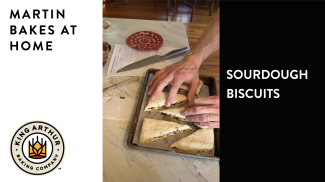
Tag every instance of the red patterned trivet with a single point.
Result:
(145, 40)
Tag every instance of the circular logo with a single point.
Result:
(37, 148)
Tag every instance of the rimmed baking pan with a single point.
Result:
(208, 89)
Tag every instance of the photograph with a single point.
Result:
(161, 109)
(149, 108)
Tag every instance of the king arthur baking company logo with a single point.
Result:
(37, 148)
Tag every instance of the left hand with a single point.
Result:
(185, 71)
(196, 111)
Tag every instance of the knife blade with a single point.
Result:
(154, 59)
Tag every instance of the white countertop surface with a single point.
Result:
(120, 162)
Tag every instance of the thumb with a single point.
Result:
(193, 88)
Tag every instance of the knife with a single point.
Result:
(154, 59)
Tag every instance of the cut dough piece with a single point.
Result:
(153, 129)
(200, 140)
(186, 87)
(159, 102)
(175, 113)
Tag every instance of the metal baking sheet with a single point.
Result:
(162, 145)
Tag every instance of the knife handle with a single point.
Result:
(175, 53)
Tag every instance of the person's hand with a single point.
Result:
(196, 111)
(184, 71)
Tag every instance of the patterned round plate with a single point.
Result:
(145, 40)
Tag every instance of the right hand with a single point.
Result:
(197, 111)
(185, 71)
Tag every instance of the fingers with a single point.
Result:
(160, 86)
(203, 118)
(173, 91)
(200, 110)
(209, 124)
(156, 76)
(212, 100)
(155, 83)
(193, 89)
